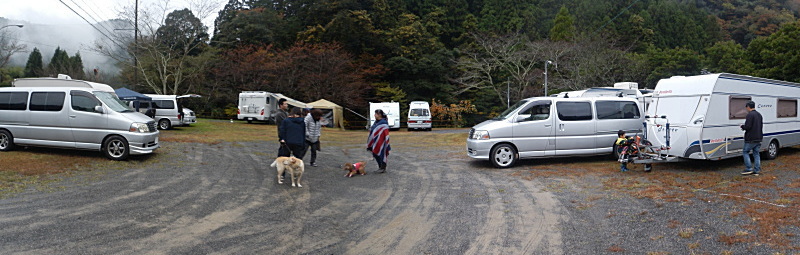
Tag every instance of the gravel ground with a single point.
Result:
(223, 198)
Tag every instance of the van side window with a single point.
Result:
(736, 107)
(787, 108)
(47, 101)
(573, 111)
(13, 100)
(163, 104)
(537, 111)
(616, 110)
(83, 102)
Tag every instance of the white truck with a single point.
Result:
(392, 110)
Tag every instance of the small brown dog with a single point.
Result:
(295, 167)
(357, 168)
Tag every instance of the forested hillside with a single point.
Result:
(355, 51)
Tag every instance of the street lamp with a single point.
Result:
(17, 25)
(545, 75)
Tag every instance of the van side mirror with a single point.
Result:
(98, 108)
(523, 118)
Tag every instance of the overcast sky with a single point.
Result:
(50, 24)
(57, 12)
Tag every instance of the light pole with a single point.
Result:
(17, 25)
(545, 75)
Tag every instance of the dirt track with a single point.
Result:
(193, 198)
(197, 199)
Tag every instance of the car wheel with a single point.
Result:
(772, 150)
(116, 148)
(615, 152)
(503, 156)
(164, 124)
(6, 141)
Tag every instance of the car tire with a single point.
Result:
(116, 148)
(503, 156)
(772, 150)
(615, 151)
(6, 140)
(164, 124)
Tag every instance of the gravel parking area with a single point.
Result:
(197, 198)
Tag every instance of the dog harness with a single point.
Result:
(356, 166)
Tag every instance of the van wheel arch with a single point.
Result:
(772, 149)
(115, 147)
(164, 124)
(504, 155)
(6, 140)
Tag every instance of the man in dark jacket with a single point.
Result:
(292, 133)
(280, 115)
(753, 135)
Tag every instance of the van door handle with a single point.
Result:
(547, 125)
(73, 116)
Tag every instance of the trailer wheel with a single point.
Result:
(772, 149)
(503, 156)
(6, 141)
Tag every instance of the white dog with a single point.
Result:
(295, 167)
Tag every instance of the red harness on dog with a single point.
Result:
(356, 166)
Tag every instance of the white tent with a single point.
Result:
(337, 117)
(291, 101)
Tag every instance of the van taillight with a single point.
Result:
(262, 112)
(238, 111)
(179, 116)
(427, 121)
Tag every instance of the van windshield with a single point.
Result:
(112, 101)
(510, 110)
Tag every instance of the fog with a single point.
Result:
(73, 38)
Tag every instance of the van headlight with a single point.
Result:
(480, 135)
(139, 127)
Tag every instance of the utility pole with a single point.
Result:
(545, 75)
(136, 45)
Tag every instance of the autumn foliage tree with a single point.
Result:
(307, 72)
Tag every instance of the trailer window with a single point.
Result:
(736, 108)
(787, 108)
(573, 111)
(13, 100)
(617, 110)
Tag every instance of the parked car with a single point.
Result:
(188, 117)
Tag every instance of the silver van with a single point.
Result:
(543, 127)
(169, 111)
(74, 118)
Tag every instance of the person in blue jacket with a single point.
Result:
(292, 133)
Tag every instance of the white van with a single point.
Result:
(419, 115)
(169, 111)
(542, 127)
(392, 110)
(73, 118)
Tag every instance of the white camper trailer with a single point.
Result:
(392, 110)
(698, 117)
(256, 105)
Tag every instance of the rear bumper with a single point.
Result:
(418, 124)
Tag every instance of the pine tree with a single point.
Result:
(34, 67)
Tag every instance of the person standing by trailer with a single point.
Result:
(753, 134)
(378, 141)
(281, 115)
(313, 132)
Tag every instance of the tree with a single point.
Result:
(8, 47)
(564, 26)
(258, 25)
(670, 62)
(75, 67)
(778, 55)
(59, 63)
(34, 66)
(182, 32)
(727, 57)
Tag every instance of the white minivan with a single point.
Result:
(169, 111)
(419, 115)
(543, 127)
(78, 117)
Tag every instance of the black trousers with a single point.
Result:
(314, 148)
